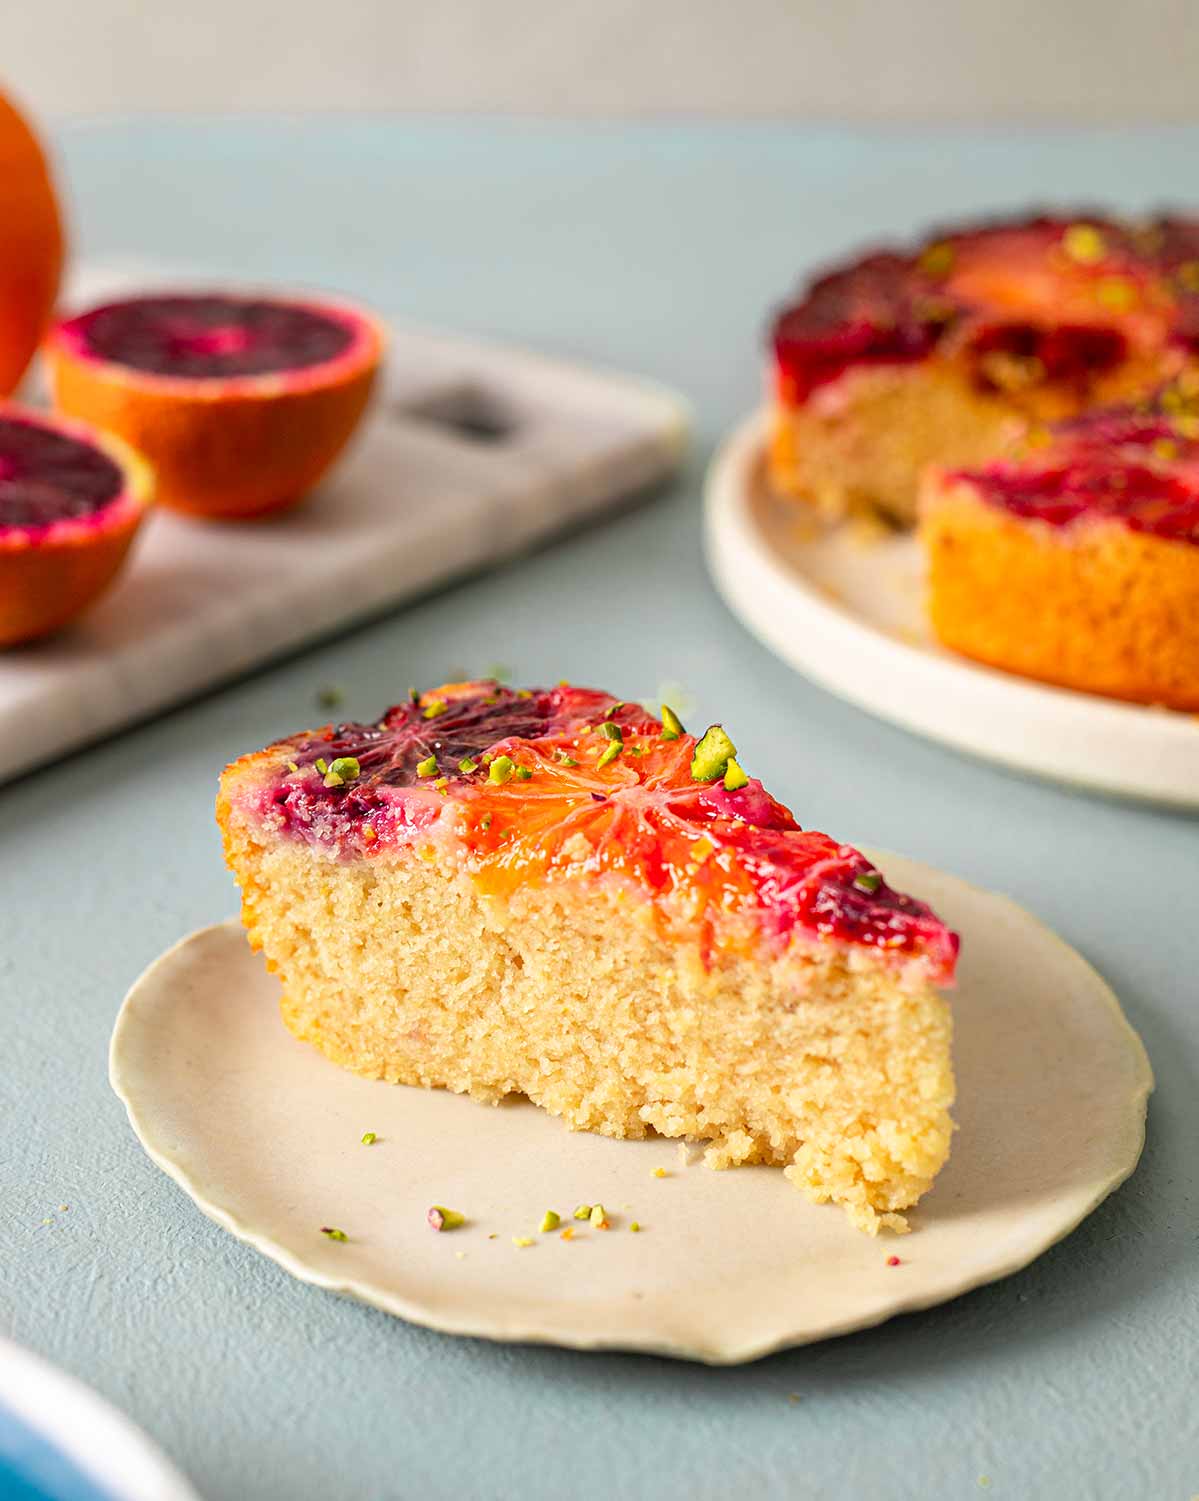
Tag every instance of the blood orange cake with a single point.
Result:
(1077, 561)
(942, 354)
(554, 893)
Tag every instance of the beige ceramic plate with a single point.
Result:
(264, 1134)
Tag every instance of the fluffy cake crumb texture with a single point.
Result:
(823, 1059)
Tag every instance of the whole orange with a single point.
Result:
(31, 245)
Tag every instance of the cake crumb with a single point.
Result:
(521, 1241)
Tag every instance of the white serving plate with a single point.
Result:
(471, 453)
(850, 615)
(58, 1438)
(265, 1135)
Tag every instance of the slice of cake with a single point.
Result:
(552, 893)
(944, 353)
(1077, 562)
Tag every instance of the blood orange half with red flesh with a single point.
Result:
(241, 403)
(543, 784)
(71, 500)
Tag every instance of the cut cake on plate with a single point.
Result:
(550, 892)
(1077, 561)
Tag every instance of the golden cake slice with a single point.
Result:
(1077, 560)
(550, 892)
(944, 353)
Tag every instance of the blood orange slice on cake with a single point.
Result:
(1077, 560)
(944, 352)
(553, 892)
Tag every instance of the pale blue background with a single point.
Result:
(659, 249)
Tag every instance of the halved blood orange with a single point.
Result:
(31, 245)
(240, 403)
(71, 500)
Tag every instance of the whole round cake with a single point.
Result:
(946, 352)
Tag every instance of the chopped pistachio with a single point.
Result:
(485, 822)
(369, 1138)
(500, 770)
(522, 1241)
(563, 758)
(582, 1212)
(1083, 243)
(868, 881)
(441, 1218)
(672, 725)
(333, 780)
(427, 767)
(937, 260)
(346, 767)
(413, 696)
(467, 765)
(634, 1226)
(550, 1220)
(660, 1172)
(598, 1217)
(611, 751)
(434, 707)
(329, 697)
(712, 755)
(523, 773)
(611, 710)
(611, 731)
(524, 693)
(441, 784)
(1117, 293)
(734, 776)
(292, 766)
(333, 1232)
(322, 765)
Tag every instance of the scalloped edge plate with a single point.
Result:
(849, 615)
(265, 1135)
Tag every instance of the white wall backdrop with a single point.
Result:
(1089, 61)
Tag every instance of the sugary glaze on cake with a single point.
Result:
(1077, 560)
(941, 353)
(731, 865)
(1136, 466)
(1042, 299)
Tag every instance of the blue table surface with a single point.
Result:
(659, 249)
